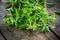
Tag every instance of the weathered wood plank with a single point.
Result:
(51, 36)
(26, 35)
(1, 38)
(57, 31)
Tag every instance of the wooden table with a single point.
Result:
(26, 35)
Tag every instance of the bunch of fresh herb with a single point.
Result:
(27, 14)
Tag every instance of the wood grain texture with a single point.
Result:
(15, 34)
(1, 38)
(57, 31)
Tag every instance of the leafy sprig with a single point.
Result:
(28, 14)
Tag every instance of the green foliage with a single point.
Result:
(57, 12)
(49, 5)
(28, 14)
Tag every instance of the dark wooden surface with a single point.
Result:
(1, 38)
(57, 31)
(15, 34)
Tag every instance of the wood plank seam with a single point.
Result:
(3, 35)
(54, 33)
